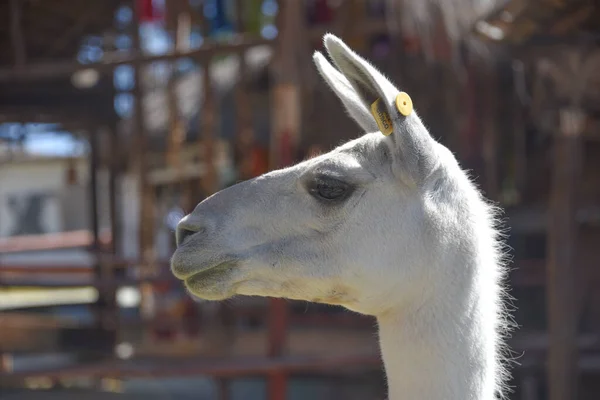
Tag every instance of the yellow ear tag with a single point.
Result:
(382, 117)
(404, 103)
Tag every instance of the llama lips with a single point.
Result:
(189, 261)
(206, 275)
(212, 283)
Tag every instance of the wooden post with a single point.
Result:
(519, 131)
(180, 16)
(176, 129)
(115, 236)
(285, 96)
(146, 218)
(104, 309)
(246, 151)
(6, 362)
(490, 135)
(529, 387)
(569, 70)
(94, 225)
(16, 32)
(113, 172)
(208, 122)
(468, 132)
(244, 140)
(209, 125)
(562, 242)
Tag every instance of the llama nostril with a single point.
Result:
(183, 234)
(184, 231)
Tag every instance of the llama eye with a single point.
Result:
(330, 192)
(330, 189)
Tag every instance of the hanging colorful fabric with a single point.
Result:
(148, 12)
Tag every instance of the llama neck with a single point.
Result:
(440, 351)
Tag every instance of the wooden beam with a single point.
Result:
(49, 70)
(53, 241)
(43, 115)
(171, 175)
(16, 32)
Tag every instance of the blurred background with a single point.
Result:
(118, 116)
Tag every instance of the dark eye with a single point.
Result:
(330, 189)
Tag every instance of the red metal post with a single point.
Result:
(278, 321)
(286, 121)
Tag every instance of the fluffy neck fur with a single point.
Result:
(441, 353)
(449, 345)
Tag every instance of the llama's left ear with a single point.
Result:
(415, 155)
(344, 90)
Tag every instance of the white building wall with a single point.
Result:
(23, 178)
(66, 207)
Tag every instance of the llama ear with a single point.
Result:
(414, 149)
(342, 88)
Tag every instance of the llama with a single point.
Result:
(386, 225)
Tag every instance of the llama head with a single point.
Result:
(361, 226)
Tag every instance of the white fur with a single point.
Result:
(414, 245)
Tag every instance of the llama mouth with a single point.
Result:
(187, 263)
(212, 282)
(207, 272)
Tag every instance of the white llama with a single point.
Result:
(385, 225)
